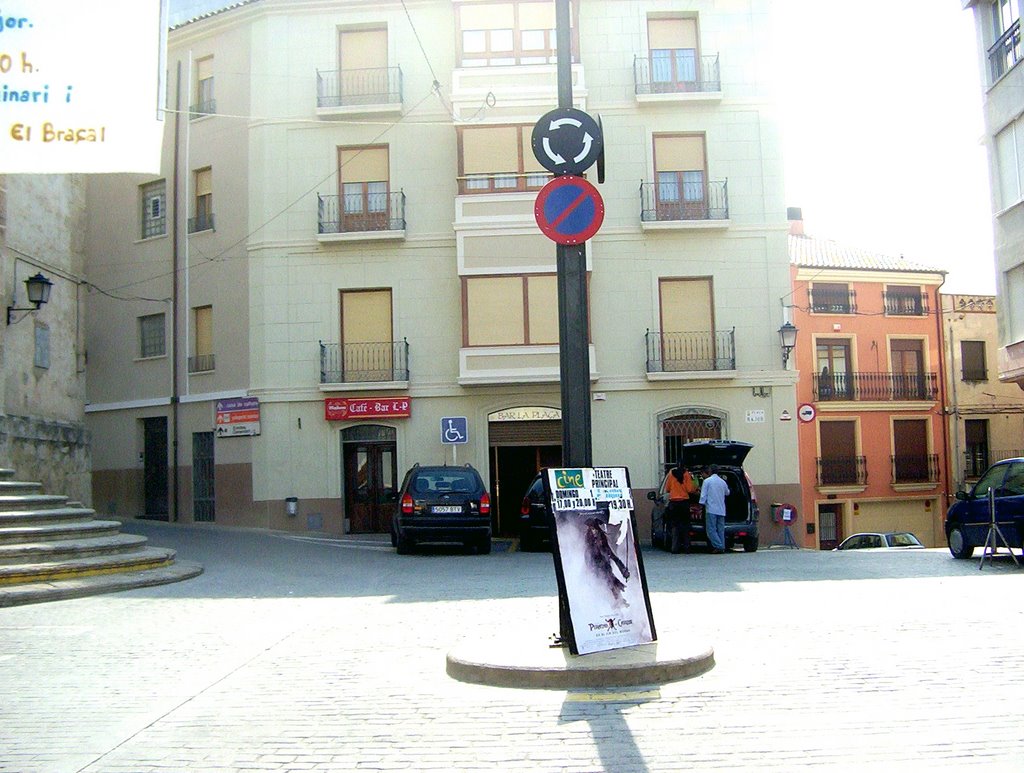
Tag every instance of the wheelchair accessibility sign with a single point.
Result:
(454, 430)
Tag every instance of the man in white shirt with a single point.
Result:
(713, 492)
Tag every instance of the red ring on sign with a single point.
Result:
(569, 210)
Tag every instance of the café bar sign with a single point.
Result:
(352, 408)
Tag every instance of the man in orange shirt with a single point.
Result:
(681, 490)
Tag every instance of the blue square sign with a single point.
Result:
(454, 430)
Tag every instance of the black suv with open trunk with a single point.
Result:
(741, 505)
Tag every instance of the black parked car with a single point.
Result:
(534, 517)
(968, 519)
(741, 504)
(442, 504)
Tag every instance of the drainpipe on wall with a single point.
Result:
(174, 305)
(942, 398)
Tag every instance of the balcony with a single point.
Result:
(979, 458)
(201, 222)
(915, 468)
(876, 386)
(1005, 52)
(691, 352)
(200, 109)
(903, 304)
(842, 471)
(652, 83)
(385, 361)
(360, 218)
(374, 90)
(697, 207)
(201, 363)
(832, 301)
(517, 364)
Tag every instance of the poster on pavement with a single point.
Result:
(602, 586)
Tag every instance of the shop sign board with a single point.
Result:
(602, 586)
(351, 408)
(238, 417)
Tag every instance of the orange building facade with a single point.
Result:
(873, 438)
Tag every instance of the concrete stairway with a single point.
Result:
(54, 549)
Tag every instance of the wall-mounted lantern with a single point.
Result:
(38, 290)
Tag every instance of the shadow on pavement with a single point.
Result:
(244, 563)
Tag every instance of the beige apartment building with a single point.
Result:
(997, 23)
(986, 416)
(340, 256)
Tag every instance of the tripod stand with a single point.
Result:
(995, 534)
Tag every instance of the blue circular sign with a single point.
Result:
(569, 210)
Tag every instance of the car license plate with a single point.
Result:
(447, 509)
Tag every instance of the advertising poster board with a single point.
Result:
(602, 586)
(82, 86)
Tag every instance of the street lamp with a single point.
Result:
(787, 334)
(38, 290)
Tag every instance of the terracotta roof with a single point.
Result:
(202, 10)
(825, 253)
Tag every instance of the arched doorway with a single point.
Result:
(686, 426)
(369, 477)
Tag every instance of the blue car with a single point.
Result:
(968, 520)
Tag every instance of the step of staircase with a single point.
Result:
(59, 530)
(51, 549)
(95, 584)
(137, 559)
(33, 501)
(59, 550)
(28, 516)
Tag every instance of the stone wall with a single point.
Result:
(57, 454)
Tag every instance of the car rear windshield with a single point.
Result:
(440, 481)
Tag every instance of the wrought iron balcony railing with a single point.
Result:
(651, 76)
(876, 386)
(979, 458)
(1005, 52)
(351, 363)
(830, 301)
(902, 304)
(693, 201)
(842, 471)
(915, 468)
(201, 363)
(360, 213)
(201, 222)
(350, 88)
(682, 352)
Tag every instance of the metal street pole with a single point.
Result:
(573, 328)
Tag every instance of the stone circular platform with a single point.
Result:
(528, 662)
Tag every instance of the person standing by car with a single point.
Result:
(713, 492)
(681, 491)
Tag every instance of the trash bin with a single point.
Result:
(291, 505)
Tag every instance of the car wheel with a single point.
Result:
(483, 546)
(750, 544)
(527, 543)
(394, 539)
(959, 545)
(403, 545)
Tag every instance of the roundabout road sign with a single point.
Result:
(567, 141)
(569, 210)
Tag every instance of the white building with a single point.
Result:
(343, 242)
(999, 47)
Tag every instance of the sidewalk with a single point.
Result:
(289, 654)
